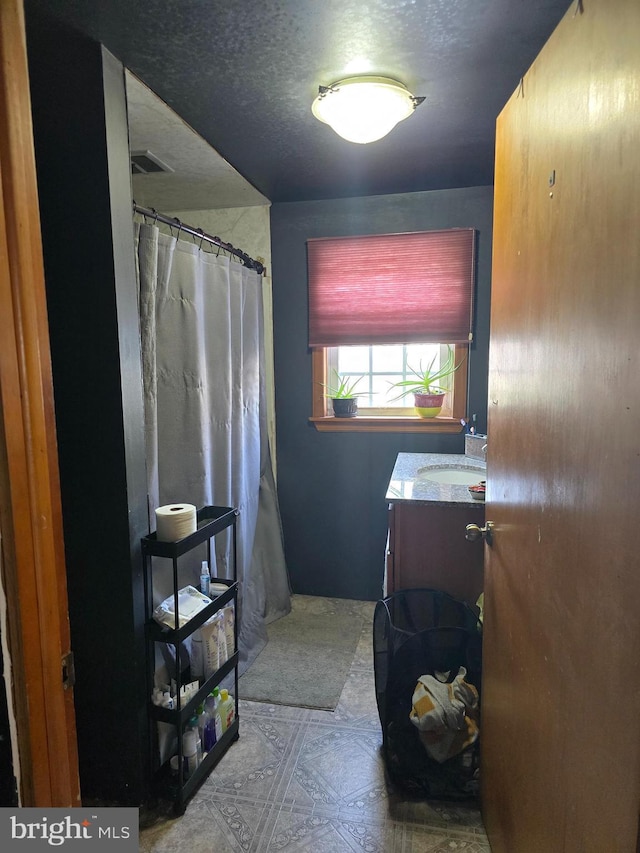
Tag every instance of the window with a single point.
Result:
(376, 412)
(379, 367)
(382, 304)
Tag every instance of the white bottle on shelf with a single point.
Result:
(229, 615)
(190, 752)
(222, 639)
(217, 719)
(202, 718)
(193, 727)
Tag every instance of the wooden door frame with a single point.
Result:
(34, 575)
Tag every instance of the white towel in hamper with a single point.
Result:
(445, 714)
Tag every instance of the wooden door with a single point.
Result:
(32, 556)
(560, 730)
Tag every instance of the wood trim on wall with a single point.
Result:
(30, 507)
(450, 422)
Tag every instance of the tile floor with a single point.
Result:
(305, 781)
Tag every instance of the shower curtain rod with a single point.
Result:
(174, 222)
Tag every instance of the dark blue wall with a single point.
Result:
(332, 485)
(82, 158)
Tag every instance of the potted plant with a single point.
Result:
(428, 393)
(342, 395)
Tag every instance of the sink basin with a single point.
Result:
(452, 476)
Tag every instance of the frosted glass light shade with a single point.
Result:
(364, 109)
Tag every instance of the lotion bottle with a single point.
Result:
(227, 709)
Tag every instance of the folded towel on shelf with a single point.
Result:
(445, 714)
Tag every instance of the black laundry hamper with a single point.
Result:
(420, 632)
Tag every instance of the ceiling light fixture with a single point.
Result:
(364, 109)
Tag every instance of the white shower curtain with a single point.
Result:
(202, 338)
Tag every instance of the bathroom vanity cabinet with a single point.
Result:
(179, 786)
(426, 544)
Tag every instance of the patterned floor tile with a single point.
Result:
(338, 770)
(248, 709)
(295, 833)
(363, 658)
(357, 703)
(426, 840)
(207, 829)
(459, 815)
(256, 761)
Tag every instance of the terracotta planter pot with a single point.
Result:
(428, 405)
(345, 407)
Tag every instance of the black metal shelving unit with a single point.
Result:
(211, 520)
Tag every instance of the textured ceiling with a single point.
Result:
(199, 178)
(243, 75)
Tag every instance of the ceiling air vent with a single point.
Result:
(146, 163)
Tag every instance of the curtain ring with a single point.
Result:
(155, 217)
(201, 233)
(175, 219)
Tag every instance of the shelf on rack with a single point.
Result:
(180, 715)
(164, 634)
(210, 519)
(169, 786)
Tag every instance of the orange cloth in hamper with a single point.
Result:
(445, 714)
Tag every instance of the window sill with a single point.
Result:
(364, 423)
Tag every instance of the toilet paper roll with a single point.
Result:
(175, 521)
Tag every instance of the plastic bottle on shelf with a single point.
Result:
(193, 727)
(205, 578)
(226, 709)
(229, 615)
(210, 736)
(222, 639)
(197, 655)
(202, 718)
(217, 718)
(190, 752)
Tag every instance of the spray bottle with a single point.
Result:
(205, 578)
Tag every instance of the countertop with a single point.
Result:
(406, 485)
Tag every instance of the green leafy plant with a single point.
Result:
(342, 388)
(426, 381)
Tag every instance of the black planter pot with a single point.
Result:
(345, 407)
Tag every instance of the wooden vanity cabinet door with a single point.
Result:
(428, 549)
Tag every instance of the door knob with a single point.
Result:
(473, 532)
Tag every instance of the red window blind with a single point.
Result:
(391, 288)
